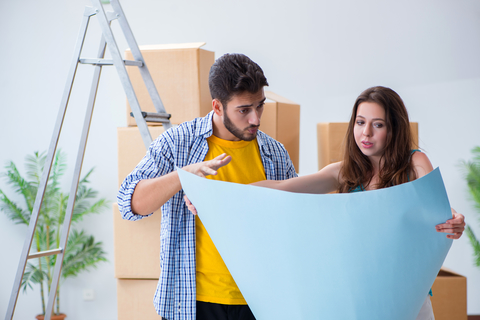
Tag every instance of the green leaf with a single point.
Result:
(82, 254)
(14, 213)
(33, 275)
(472, 176)
(20, 185)
(475, 244)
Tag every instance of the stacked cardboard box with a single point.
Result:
(135, 299)
(281, 121)
(137, 265)
(449, 298)
(136, 243)
(180, 74)
(137, 246)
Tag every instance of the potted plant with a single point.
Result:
(472, 175)
(82, 252)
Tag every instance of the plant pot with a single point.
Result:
(60, 316)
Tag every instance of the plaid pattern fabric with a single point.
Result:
(175, 296)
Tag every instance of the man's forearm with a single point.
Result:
(151, 194)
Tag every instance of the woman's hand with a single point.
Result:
(455, 226)
(190, 206)
(210, 167)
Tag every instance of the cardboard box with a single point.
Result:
(180, 73)
(449, 298)
(281, 121)
(331, 141)
(135, 300)
(136, 246)
(131, 148)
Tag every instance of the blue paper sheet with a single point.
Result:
(367, 255)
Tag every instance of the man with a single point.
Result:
(194, 281)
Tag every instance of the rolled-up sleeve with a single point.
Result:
(157, 162)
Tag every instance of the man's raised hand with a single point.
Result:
(210, 167)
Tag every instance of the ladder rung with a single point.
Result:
(108, 62)
(155, 117)
(45, 253)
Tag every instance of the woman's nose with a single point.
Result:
(367, 131)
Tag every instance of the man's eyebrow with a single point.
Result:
(245, 106)
(251, 105)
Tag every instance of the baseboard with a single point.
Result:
(474, 317)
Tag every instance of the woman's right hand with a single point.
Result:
(210, 167)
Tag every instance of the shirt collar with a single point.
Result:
(206, 126)
(262, 143)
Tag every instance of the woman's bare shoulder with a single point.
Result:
(421, 164)
(332, 170)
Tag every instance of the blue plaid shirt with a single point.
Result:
(175, 297)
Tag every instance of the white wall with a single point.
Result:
(321, 54)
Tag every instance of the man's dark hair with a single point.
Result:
(234, 73)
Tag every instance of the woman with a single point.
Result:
(378, 154)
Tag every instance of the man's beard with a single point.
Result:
(238, 132)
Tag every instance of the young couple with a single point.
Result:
(194, 281)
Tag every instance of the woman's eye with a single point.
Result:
(378, 125)
(360, 122)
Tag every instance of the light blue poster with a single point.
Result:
(367, 255)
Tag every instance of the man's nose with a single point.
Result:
(255, 118)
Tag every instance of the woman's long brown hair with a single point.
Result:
(357, 170)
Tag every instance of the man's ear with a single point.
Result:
(217, 107)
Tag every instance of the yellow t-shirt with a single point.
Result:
(214, 282)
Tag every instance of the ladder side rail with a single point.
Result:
(123, 75)
(47, 166)
(137, 55)
(76, 178)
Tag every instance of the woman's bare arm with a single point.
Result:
(323, 181)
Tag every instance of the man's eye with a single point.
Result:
(261, 106)
(242, 111)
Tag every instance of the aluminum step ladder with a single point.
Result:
(104, 19)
